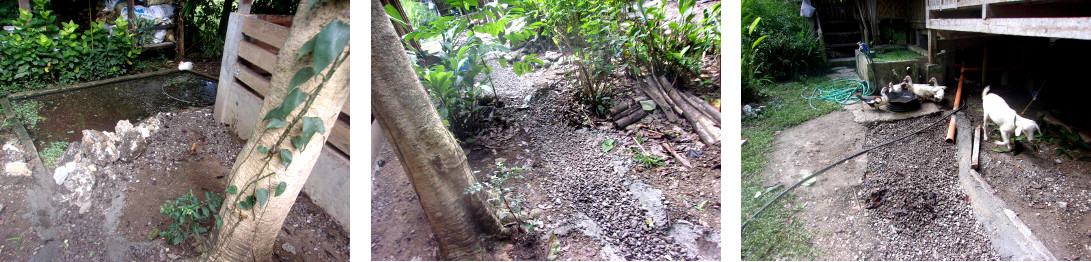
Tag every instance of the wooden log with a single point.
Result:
(631, 118)
(708, 109)
(626, 104)
(649, 90)
(976, 147)
(626, 112)
(662, 87)
(676, 155)
(703, 126)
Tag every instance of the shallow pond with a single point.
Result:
(62, 116)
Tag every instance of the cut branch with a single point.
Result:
(649, 89)
(703, 126)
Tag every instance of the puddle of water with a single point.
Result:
(62, 116)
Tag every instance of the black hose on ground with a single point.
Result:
(824, 169)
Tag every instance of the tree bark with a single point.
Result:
(433, 161)
(249, 235)
(224, 15)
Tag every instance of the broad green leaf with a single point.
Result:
(294, 98)
(329, 44)
(313, 125)
(286, 156)
(302, 76)
(232, 189)
(275, 113)
(276, 123)
(262, 195)
(394, 15)
(306, 48)
(263, 150)
(647, 105)
(298, 142)
(280, 188)
(607, 145)
(251, 200)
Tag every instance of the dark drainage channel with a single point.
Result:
(61, 116)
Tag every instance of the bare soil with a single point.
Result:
(1049, 192)
(189, 152)
(600, 205)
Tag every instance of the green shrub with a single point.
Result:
(419, 14)
(190, 216)
(42, 53)
(789, 48)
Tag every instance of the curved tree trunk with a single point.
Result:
(432, 159)
(248, 235)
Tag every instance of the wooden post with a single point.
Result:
(977, 147)
(244, 6)
(132, 15)
(180, 35)
(931, 46)
(25, 5)
(228, 67)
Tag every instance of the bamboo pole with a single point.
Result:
(958, 99)
(977, 147)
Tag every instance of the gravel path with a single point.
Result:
(912, 190)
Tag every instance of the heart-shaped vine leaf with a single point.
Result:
(294, 98)
(305, 49)
(329, 44)
(232, 189)
(262, 195)
(311, 125)
(280, 188)
(276, 123)
(302, 76)
(286, 156)
(263, 150)
(299, 143)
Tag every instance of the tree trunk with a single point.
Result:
(433, 161)
(248, 235)
(224, 15)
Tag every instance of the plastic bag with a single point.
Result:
(806, 10)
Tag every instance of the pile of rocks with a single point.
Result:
(83, 160)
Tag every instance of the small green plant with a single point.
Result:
(189, 216)
(649, 161)
(514, 204)
(27, 112)
(53, 152)
(607, 145)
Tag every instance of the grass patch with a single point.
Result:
(895, 55)
(51, 154)
(27, 111)
(775, 234)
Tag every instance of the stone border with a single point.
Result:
(24, 138)
(1010, 238)
(36, 93)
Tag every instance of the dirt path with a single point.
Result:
(601, 205)
(835, 207)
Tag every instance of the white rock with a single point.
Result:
(61, 173)
(18, 168)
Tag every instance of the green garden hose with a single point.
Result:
(841, 91)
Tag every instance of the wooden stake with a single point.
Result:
(676, 155)
(977, 147)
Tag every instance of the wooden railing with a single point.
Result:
(250, 55)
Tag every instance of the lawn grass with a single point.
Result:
(895, 55)
(775, 234)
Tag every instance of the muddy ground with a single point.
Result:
(127, 196)
(904, 201)
(601, 205)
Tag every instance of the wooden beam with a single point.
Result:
(339, 136)
(224, 94)
(255, 81)
(1063, 27)
(258, 56)
(265, 31)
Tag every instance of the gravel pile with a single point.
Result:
(593, 185)
(912, 190)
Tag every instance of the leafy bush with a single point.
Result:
(419, 14)
(202, 19)
(789, 48)
(42, 53)
(189, 216)
(457, 82)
